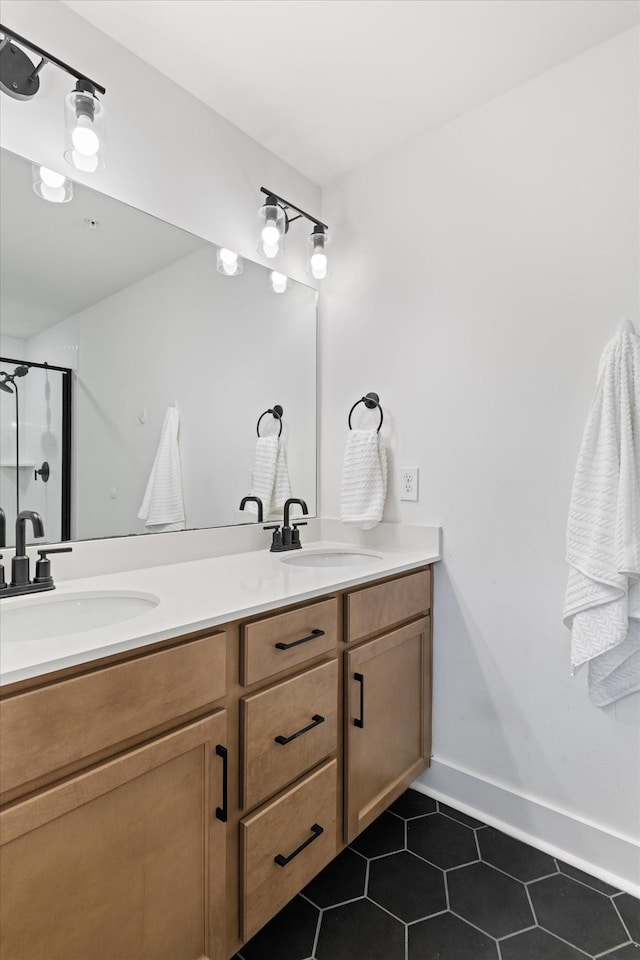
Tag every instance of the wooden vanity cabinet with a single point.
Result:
(125, 860)
(166, 803)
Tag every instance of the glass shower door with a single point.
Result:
(35, 432)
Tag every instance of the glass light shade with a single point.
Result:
(50, 185)
(279, 282)
(272, 226)
(84, 135)
(228, 262)
(318, 253)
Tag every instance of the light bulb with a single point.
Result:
(84, 138)
(228, 262)
(82, 162)
(318, 265)
(51, 178)
(53, 194)
(270, 251)
(270, 234)
(278, 282)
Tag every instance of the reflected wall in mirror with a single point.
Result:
(137, 311)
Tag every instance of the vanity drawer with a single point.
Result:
(51, 728)
(284, 845)
(373, 609)
(277, 643)
(287, 730)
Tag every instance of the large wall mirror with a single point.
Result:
(114, 323)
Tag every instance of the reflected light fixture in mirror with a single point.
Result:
(279, 282)
(84, 113)
(51, 186)
(228, 262)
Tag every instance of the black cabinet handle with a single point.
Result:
(222, 812)
(282, 861)
(359, 721)
(317, 720)
(312, 636)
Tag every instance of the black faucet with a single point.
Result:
(20, 562)
(20, 579)
(257, 500)
(289, 537)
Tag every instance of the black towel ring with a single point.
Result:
(371, 401)
(276, 413)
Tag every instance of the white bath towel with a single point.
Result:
(162, 505)
(364, 479)
(270, 476)
(602, 603)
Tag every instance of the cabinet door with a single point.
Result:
(388, 717)
(124, 860)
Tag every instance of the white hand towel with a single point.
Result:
(364, 479)
(270, 477)
(162, 506)
(602, 603)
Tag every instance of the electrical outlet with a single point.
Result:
(408, 483)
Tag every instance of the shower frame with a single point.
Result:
(67, 376)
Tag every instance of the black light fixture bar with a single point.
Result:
(292, 206)
(48, 58)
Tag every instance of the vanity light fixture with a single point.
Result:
(228, 262)
(51, 186)
(279, 282)
(84, 113)
(273, 223)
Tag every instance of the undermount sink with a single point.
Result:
(54, 616)
(329, 558)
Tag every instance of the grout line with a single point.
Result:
(568, 942)
(547, 876)
(624, 926)
(458, 866)
(584, 884)
(603, 956)
(366, 878)
(446, 889)
(385, 910)
(530, 902)
(431, 916)
(317, 933)
(509, 936)
(353, 850)
(470, 924)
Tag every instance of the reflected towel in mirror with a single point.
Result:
(162, 506)
(270, 477)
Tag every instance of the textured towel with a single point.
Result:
(364, 479)
(162, 507)
(602, 604)
(270, 477)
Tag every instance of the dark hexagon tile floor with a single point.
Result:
(426, 882)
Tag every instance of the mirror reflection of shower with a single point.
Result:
(35, 444)
(9, 385)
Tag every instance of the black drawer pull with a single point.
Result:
(222, 812)
(317, 720)
(359, 721)
(316, 830)
(312, 636)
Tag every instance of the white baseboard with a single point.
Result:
(588, 846)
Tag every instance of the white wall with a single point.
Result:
(168, 153)
(477, 274)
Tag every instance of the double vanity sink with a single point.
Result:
(40, 618)
(216, 731)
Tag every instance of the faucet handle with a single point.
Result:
(43, 565)
(276, 540)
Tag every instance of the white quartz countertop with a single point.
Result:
(191, 596)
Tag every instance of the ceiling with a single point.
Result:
(328, 85)
(54, 264)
